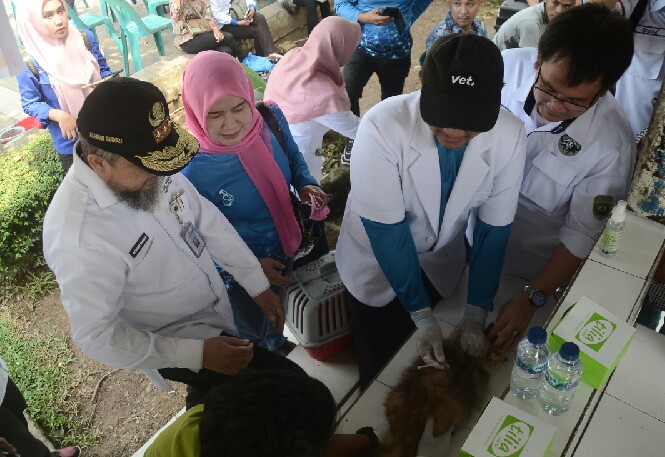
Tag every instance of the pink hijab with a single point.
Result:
(67, 62)
(307, 82)
(209, 76)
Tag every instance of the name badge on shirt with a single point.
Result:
(193, 239)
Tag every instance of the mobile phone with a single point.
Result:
(95, 83)
(390, 11)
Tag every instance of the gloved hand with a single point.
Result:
(472, 330)
(431, 446)
(430, 338)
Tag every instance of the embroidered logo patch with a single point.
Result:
(227, 198)
(568, 146)
(602, 206)
(134, 251)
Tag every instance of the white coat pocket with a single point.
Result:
(547, 182)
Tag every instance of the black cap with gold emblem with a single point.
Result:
(130, 118)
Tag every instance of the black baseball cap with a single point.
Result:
(462, 78)
(130, 118)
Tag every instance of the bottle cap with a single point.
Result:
(569, 351)
(537, 335)
(619, 211)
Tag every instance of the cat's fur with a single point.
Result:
(447, 395)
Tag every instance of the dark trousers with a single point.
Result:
(379, 332)
(206, 42)
(14, 427)
(66, 160)
(312, 14)
(258, 31)
(391, 72)
(199, 384)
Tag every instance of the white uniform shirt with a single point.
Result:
(136, 295)
(395, 173)
(308, 135)
(641, 83)
(220, 10)
(567, 170)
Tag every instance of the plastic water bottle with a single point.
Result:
(563, 373)
(530, 364)
(609, 242)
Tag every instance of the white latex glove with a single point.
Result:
(430, 338)
(431, 446)
(472, 330)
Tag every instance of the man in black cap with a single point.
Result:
(429, 161)
(132, 246)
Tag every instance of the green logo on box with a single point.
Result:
(596, 332)
(511, 438)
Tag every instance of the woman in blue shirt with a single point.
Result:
(244, 171)
(60, 64)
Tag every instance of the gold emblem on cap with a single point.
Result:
(172, 157)
(161, 132)
(157, 114)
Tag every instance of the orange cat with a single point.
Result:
(446, 395)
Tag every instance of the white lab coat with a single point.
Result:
(557, 195)
(641, 83)
(136, 295)
(4, 379)
(395, 172)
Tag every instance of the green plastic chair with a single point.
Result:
(90, 21)
(133, 28)
(20, 41)
(153, 5)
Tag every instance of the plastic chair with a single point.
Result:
(20, 41)
(153, 6)
(133, 28)
(90, 21)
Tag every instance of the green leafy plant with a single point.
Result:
(29, 176)
(38, 364)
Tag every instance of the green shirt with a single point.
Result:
(181, 438)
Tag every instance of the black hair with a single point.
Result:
(267, 413)
(595, 42)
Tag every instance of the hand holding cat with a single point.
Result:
(430, 339)
(472, 330)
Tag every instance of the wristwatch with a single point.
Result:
(537, 297)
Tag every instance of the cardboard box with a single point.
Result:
(506, 431)
(603, 339)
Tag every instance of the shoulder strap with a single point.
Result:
(31, 66)
(86, 40)
(638, 12)
(273, 125)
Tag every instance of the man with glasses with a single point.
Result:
(580, 152)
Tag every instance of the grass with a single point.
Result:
(38, 363)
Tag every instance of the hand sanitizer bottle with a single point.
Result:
(613, 230)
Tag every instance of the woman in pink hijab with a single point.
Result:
(308, 86)
(242, 168)
(62, 61)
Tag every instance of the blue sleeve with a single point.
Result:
(33, 100)
(300, 175)
(396, 254)
(486, 262)
(419, 8)
(348, 9)
(104, 69)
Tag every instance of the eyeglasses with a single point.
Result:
(573, 108)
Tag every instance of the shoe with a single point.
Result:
(346, 154)
(71, 451)
(285, 349)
